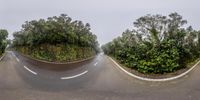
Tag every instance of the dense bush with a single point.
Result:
(3, 42)
(158, 44)
(59, 52)
(56, 39)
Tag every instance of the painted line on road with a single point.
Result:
(17, 59)
(154, 80)
(70, 77)
(95, 63)
(30, 70)
(101, 54)
(13, 54)
(2, 56)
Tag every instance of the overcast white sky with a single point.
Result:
(108, 18)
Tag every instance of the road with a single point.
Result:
(99, 79)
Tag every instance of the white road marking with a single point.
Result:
(101, 53)
(15, 56)
(30, 70)
(95, 63)
(70, 77)
(2, 56)
(17, 59)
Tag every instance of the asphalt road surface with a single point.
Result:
(98, 79)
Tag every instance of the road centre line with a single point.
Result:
(95, 63)
(30, 70)
(15, 56)
(70, 77)
(25, 66)
(17, 59)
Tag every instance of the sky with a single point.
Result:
(108, 18)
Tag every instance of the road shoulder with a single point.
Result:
(3, 55)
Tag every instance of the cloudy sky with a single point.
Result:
(108, 18)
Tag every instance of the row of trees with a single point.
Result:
(157, 44)
(54, 38)
(3, 42)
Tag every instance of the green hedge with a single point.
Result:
(57, 53)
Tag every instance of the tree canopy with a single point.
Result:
(55, 30)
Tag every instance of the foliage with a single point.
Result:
(158, 44)
(3, 42)
(58, 53)
(56, 39)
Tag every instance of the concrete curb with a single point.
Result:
(2, 56)
(43, 61)
(154, 80)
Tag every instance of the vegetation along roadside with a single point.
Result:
(3, 41)
(56, 39)
(158, 44)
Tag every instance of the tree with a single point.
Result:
(175, 21)
(3, 43)
(156, 28)
(152, 27)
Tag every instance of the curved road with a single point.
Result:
(99, 79)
